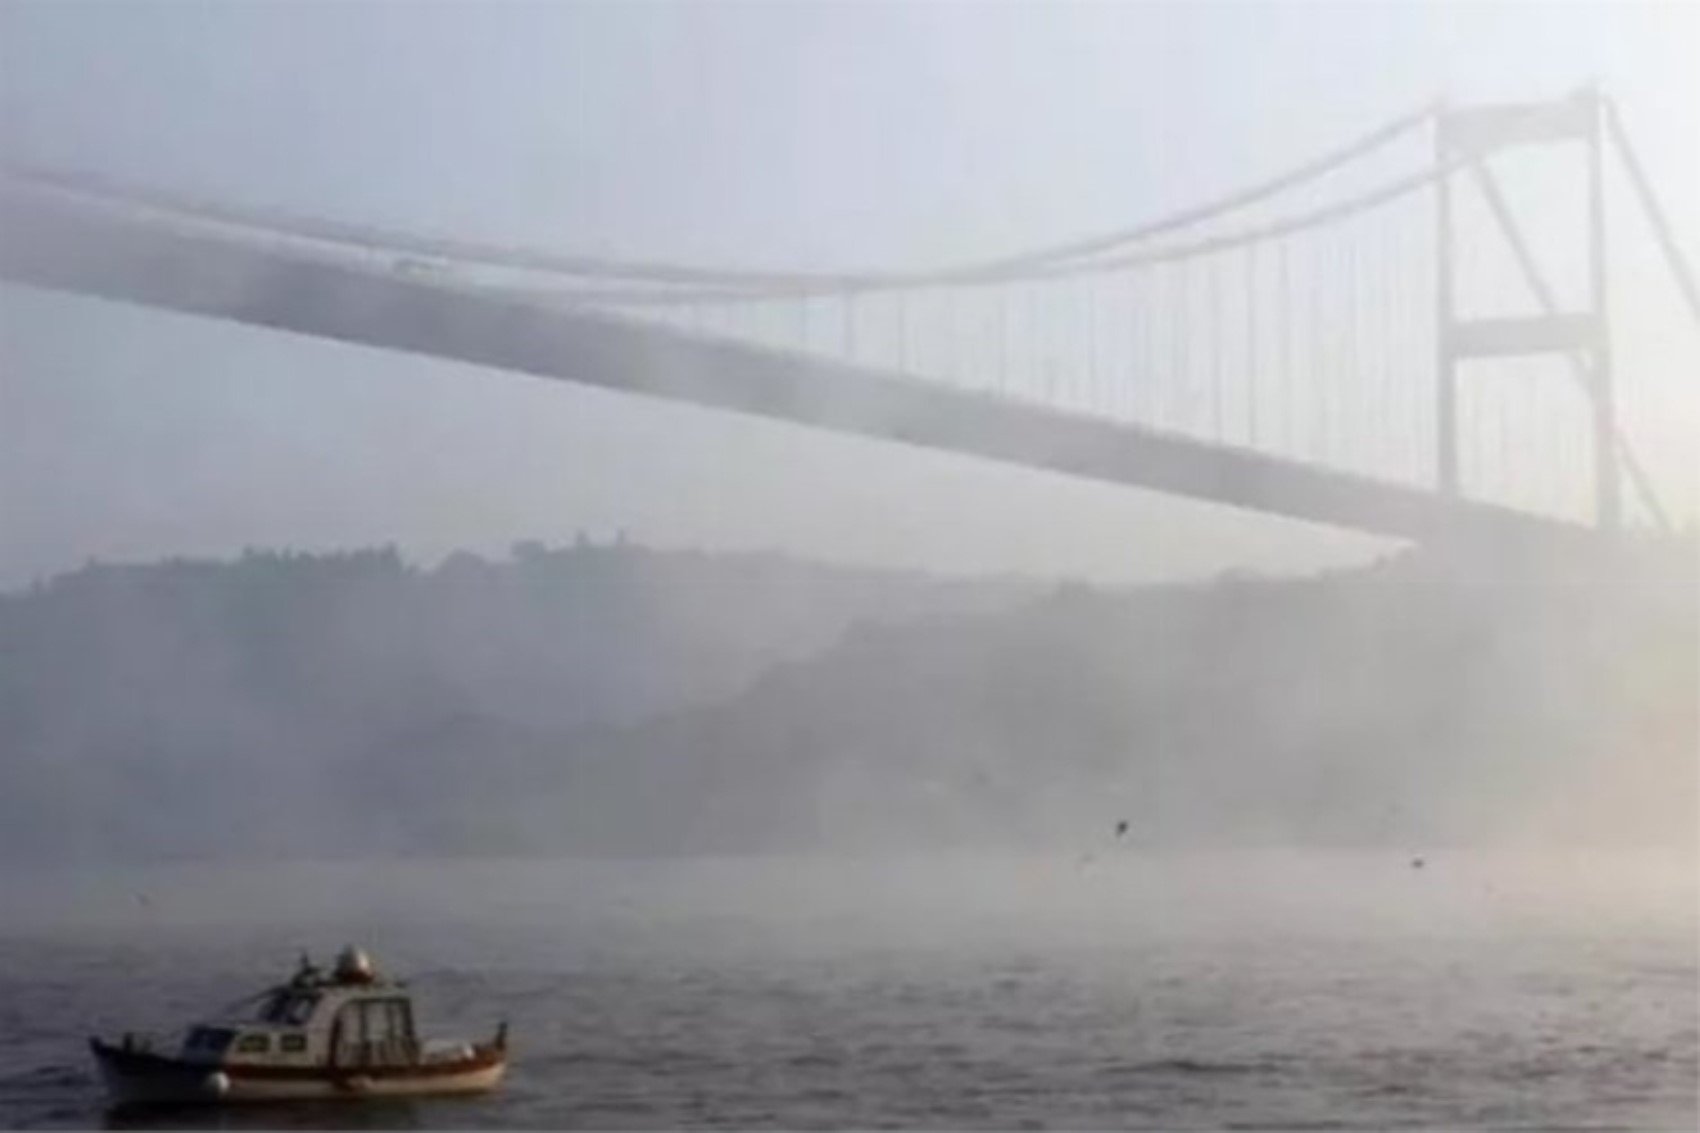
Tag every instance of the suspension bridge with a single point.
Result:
(1317, 346)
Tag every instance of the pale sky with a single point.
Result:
(809, 135)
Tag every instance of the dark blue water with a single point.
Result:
(1248, 991)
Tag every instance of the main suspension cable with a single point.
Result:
(1264, 233)
(278, 222)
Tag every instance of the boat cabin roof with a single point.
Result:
(308, 995)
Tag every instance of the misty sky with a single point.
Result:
(814, 135)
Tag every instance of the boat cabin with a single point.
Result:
(351, 1019)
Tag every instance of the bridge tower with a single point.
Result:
(1465, 137)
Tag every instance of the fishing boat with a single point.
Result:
(348, 1033)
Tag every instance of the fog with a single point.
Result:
(530, 915)
(615, 701)
(137, 435)
(1051, 694)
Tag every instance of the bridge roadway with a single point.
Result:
(64, 245)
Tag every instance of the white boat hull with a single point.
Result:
(143, 1078)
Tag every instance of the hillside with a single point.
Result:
(197, 707)
(1404, 705)
(619, 701)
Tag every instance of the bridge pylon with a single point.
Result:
(1465, 138)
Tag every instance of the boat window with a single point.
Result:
(376, 1021)
(374, 1032)
(401, 1019)
(293, 1044)
(254, 1044)
(387, 1020)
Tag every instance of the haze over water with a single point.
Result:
(773, 777)
(1103, 988)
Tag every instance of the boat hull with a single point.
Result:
(137, 1077)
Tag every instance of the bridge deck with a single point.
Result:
(53, 244)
